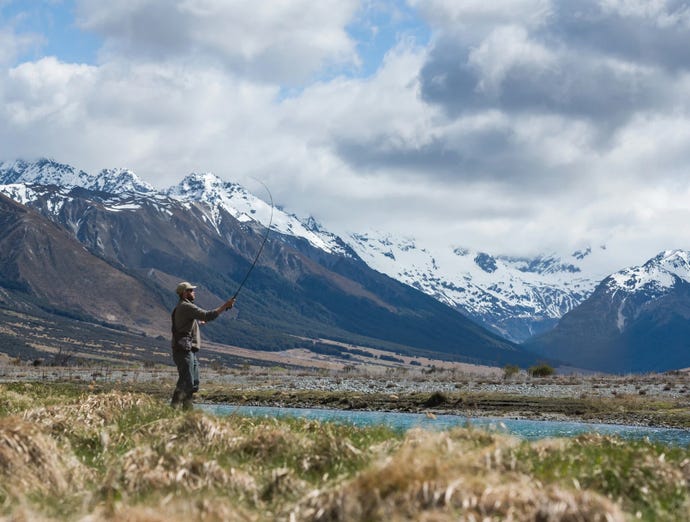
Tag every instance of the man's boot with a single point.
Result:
(177, 398)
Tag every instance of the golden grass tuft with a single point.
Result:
(194, 430)
(170, 509)
(31, 460)
(91, 414)
(146, 469)
(140, 460)
(13, 402)
(455, 475)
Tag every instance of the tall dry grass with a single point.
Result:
(33, 461)
(119, 456)
(456, 475)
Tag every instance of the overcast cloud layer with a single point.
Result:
(516, 127)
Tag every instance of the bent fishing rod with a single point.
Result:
(263, 243)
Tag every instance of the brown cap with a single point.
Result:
(183, 287)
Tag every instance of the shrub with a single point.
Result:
(436, 399)
(510, 370)
(541, 370)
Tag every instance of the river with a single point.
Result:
(523, 428)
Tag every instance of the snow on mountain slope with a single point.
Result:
(49, 172)
(19, 192)
(636, 320)
(208, 190)
(119, 181)
(43, 172)
(242, 205)
(656, 277)
(517, 297)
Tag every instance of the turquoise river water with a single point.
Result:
(526, 429)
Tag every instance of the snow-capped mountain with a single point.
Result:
(608, 325)
(43, 172)
(120, 181)
(22, 180)
(60, 235)
(50, 172)
(656, 277)
(218, 195)
(515, 297)
(637, 319)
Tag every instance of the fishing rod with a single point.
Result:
(263, 243)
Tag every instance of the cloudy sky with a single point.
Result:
(509, 126)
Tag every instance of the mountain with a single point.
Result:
(514, 297)
(307, 285)
(637, 320)
(45, 265)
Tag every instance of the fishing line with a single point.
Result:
(263, 243)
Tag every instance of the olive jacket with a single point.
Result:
(185, 323)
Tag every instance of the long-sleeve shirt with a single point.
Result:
(186, 316)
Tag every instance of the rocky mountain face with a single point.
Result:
(118, 247)
(637, 320)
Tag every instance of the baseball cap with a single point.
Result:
(183, 287)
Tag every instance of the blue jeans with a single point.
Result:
(188, 377)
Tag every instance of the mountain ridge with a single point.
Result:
(297, 288)
(516, 298)
(637, 319)
(544, 301)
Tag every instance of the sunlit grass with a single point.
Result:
(68, 454)
(646, 478)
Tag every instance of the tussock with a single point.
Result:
(194, 430)
(13, 402)
(146, 469)
(94, 412)
(456, 475)
(31, 460)
(169, 510)
(267, 440)
(140, 460)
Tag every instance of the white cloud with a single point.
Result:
(45, 91)
(520, 128)
(473, 17)
(663, 12)
(506, 47)
(13, 44)
(270, 41)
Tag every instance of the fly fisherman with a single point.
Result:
(186, 341)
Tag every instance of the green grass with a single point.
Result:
(647, 478)
(67, 452)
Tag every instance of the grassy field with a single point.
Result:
(78, 452)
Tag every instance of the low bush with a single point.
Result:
(541, 370)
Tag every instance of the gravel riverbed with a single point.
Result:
(677, 386)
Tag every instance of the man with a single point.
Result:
(186, 341)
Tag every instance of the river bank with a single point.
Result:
(646, 400)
